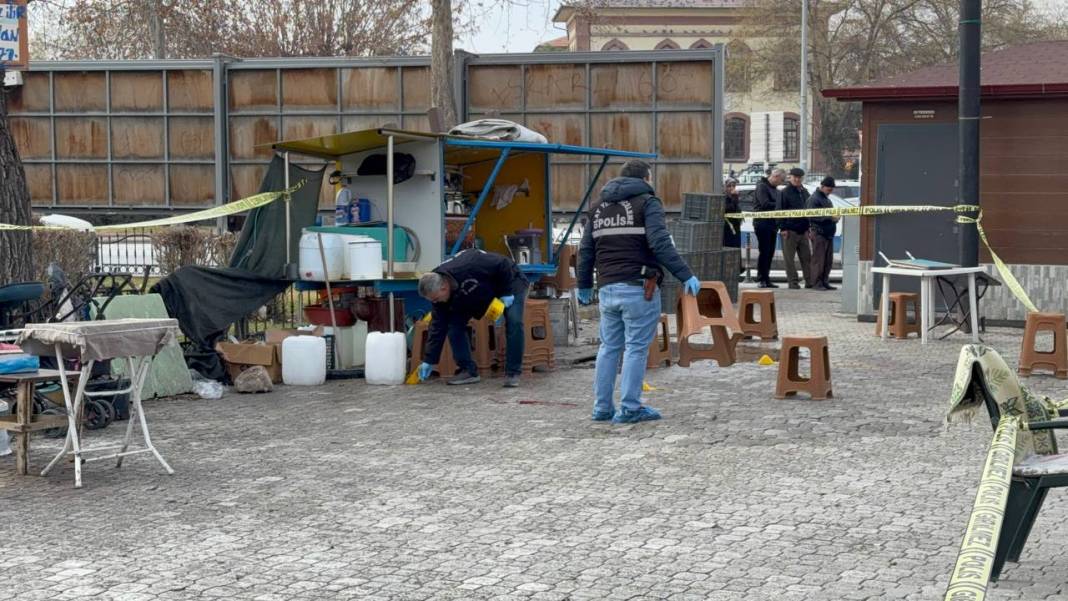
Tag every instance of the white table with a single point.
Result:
(136, 341)
(927, 295)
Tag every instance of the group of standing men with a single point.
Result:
(809, 240)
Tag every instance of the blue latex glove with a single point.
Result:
(507, 300)
(692, 285)
(424, 371)
(585, 295)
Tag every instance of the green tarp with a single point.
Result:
(261, 248)
(168, 375)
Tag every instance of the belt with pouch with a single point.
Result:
(648, 284)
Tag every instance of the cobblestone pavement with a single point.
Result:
(353, 492)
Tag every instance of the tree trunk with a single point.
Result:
(16, 260)
(155, 25)
(442, 94)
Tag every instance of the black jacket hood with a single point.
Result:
(622, 188)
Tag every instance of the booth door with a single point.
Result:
(916, 165)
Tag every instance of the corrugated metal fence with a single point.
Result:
(160, 136)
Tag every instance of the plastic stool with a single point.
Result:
(660, 348)
(538, 350)
(710, 308)
(446, 366)
(900, 326)
(768, 327)
(483, 343)
(818, 384)
(1057, 359)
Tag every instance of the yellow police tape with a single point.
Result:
(971, 574)
(238, 206)
(862, 211)
(871, 211)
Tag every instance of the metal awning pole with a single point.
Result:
(289, 233)
(389, 224)
(582, 205)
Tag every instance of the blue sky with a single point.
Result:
(516, 26)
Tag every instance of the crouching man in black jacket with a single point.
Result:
(462, 289)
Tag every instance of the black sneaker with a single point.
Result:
(795, 286)
(462, 379)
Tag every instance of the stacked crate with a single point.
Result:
(698, 236)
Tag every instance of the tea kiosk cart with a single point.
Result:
(463, 192)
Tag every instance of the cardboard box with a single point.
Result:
(277, 336)
(242, 355)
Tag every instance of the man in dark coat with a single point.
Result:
(822, 232)
(627, 242)
(795, 229)
(732, 236)
(462, 289)
(766, 198)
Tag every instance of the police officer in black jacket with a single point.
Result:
(627, 242)
(462, 289)
(766, 198)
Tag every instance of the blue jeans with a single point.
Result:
(515, 340)
(628, 325)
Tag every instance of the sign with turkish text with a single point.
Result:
(14, 41)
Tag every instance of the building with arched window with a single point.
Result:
(761, 123)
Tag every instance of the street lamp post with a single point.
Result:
(803, 150)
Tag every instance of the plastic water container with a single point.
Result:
(350, 343)
(311, 262)
(364, 259)
(304, 361)
(385, 358)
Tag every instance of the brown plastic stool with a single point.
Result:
(818, 384)
(660, 348)
(900, 326)
(538, 350)
(446, 366)
(483, 343)
(564, 280)
(768, 327)
(710, 308)
(1057, 359)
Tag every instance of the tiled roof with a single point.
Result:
(1035, 68)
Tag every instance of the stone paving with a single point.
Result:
(353, 492)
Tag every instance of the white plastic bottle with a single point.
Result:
(341, 204)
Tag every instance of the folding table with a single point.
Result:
(927, 302)
(136, 341)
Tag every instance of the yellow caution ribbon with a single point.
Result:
(231, 208)
(1003, 270)
(975, 561)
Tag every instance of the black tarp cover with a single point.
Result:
(206, 301)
